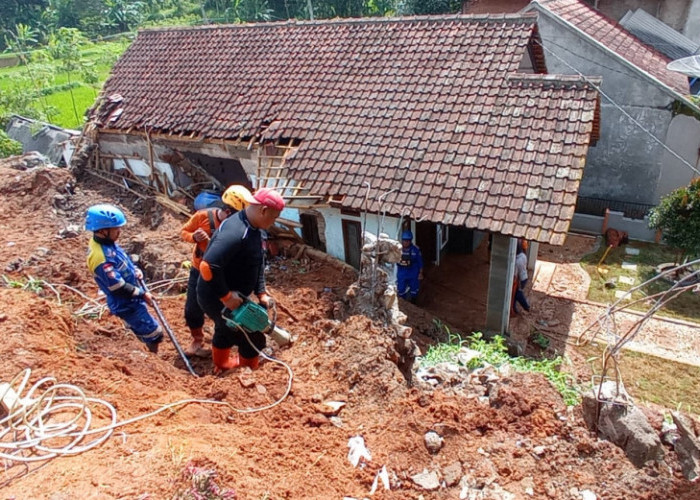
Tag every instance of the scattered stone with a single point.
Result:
(70, 231)
(452, 474)
(330, 408)
(261, 389)
(246, 380)
(687, 447)
(427, 480)
(631, 251)
(588, 495)
(629, 266)
(433, 441)
(317, 420)
(669, 434)
(621, 423)
(626, 280)
(528, 485)
(550, 490)
(465, 355)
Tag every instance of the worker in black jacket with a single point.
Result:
(232, 269)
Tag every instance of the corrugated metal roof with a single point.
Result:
(658, 34)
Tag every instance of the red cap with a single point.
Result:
(269, 197)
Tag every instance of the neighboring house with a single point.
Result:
(51, 141)
(681, 15)
(445, 125)
(659, 35)
(627, 170)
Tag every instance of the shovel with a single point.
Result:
(170, 333)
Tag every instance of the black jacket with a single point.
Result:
(235, 257)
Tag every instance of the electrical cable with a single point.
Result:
(55, 422)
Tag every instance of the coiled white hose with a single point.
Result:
(54, 419)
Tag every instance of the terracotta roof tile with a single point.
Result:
(432, 107)
(618, 39)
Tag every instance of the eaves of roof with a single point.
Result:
(592, 40)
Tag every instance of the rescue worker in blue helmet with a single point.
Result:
(117, 276)
(409, 270)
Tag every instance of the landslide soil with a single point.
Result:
(293, 449)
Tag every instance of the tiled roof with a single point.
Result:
(432, 108)
(613, 36)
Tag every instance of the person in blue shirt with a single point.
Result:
(409, 270)
(117, 276)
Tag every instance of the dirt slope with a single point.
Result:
(523, 441)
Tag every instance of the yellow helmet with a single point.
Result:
(237, 197)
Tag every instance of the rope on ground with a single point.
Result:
(50, 420)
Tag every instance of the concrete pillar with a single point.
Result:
(500, 284)
(532, 249)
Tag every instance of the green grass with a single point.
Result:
(686, 306)
(84, 98)
(100, 57)
(651, 379)
(495, 352)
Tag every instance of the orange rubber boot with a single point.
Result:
(251, 363)
(222, 361)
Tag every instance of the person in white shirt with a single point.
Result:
(520, 278)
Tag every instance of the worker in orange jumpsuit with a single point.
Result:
(199, 230)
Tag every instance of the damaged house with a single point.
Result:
(449, 126)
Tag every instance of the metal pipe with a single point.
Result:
(170, 333)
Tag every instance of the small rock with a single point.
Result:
(528, 485)
(317, 420)
(427, 480)
(588, 495)
(550, 490)
(539, 450)
(433, 441)
(246, 380)
(330, 408)
(261, 389)
(452, 474)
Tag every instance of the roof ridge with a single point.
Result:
(528, 79)
(486, 18)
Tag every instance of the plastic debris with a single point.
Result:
(358, 450)
(384, 476)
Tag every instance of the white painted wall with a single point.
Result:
(683, 137)
(692, 22)
(334, 228)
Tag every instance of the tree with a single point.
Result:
(678, 216)
(426, 7)
(14, 12)
(8, 147)
(64, 46)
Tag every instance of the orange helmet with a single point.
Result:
(237, 197)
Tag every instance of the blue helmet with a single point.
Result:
(103, 216)
(407, 235)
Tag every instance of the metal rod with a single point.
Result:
(170, 333)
